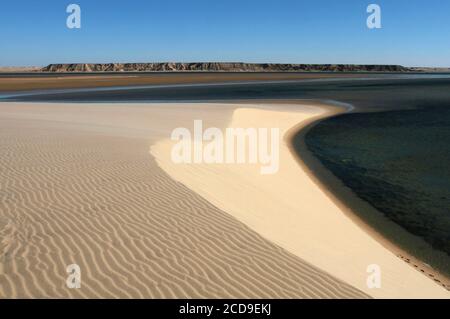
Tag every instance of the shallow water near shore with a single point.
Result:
(398, 162)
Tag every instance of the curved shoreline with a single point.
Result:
(291, 210)
(388, 233)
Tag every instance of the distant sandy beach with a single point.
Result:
(45, 81)
(94, 184)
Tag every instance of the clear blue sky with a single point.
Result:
(414, 33)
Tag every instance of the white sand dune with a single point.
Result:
(78, 185)
(289, 209)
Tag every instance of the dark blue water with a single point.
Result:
(398, 161)
(397, 93)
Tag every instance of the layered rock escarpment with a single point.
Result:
(219, 67)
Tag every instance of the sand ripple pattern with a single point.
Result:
(101, 202)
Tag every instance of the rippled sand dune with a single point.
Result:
(78, 185)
